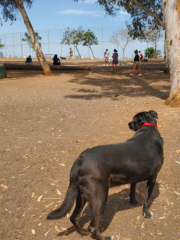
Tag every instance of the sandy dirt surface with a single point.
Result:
(46, 122)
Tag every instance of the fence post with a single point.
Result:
(60, 42)
(102, 43)
(21, 45)
(48, 41)
(5, 44)
(13, 43)
(117, 35)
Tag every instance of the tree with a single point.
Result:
(29, 40)
(142, 13)
(172, 26)
(1, 45)
(74, 36)
(89, 39)
(149, 52)
(158, 53)
(162, 13)
(121, 38)
(9, 10)
(152, 36)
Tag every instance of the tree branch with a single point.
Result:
(149, 12)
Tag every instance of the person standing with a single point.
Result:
(141, 56)
(106, 57)
(70, 53)
(137, 62)
(115, 60)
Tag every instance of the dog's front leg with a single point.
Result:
(149, 188)
(133, 194)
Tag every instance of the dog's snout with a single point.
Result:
(132, 126)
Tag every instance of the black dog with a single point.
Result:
(138, 159)
(63, 58)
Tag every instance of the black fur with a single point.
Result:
(95, 170)
(63, 58)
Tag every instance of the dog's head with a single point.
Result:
(142, 117)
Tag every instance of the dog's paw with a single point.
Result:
(84, 232)
(148, 214)
(109, 238)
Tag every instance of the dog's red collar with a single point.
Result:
(149, 124)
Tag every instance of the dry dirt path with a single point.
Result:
(46, 122)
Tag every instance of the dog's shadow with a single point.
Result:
(116, 202)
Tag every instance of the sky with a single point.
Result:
(60, 14)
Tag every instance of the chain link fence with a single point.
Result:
(51, 44)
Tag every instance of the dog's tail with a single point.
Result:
(71, 194)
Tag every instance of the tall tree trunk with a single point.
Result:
(166, 55)
(92, 52)
(171, 13)
(37, 49)
(123, 52)
(78, 51)
(155, 51)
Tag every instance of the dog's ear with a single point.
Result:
(153, 114)
(132, 126)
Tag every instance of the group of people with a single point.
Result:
(137, 60)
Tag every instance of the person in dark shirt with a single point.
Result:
(137, 61)
(115, 60)
(29, 59)
(56, 60)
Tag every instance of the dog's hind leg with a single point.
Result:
(133, 193)
(80, 203)
(149, 189)
(97, 205)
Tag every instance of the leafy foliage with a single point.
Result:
(143, 13)
(89, 39)
(29, 40)
(73, 36)
(1, 45)
(10, 10)
(149, 52)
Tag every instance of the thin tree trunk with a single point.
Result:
(92, 52)
(78, 51)
(123, 52)
(37, 49)
(172, 25)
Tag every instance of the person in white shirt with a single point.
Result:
(106, 57)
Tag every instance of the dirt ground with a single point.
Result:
(46, 122)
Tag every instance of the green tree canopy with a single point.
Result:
(89, 39)
(10, 9)
(149, 52)
(29, 40)
(143, 13)
(73, 36)
(1, 45)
